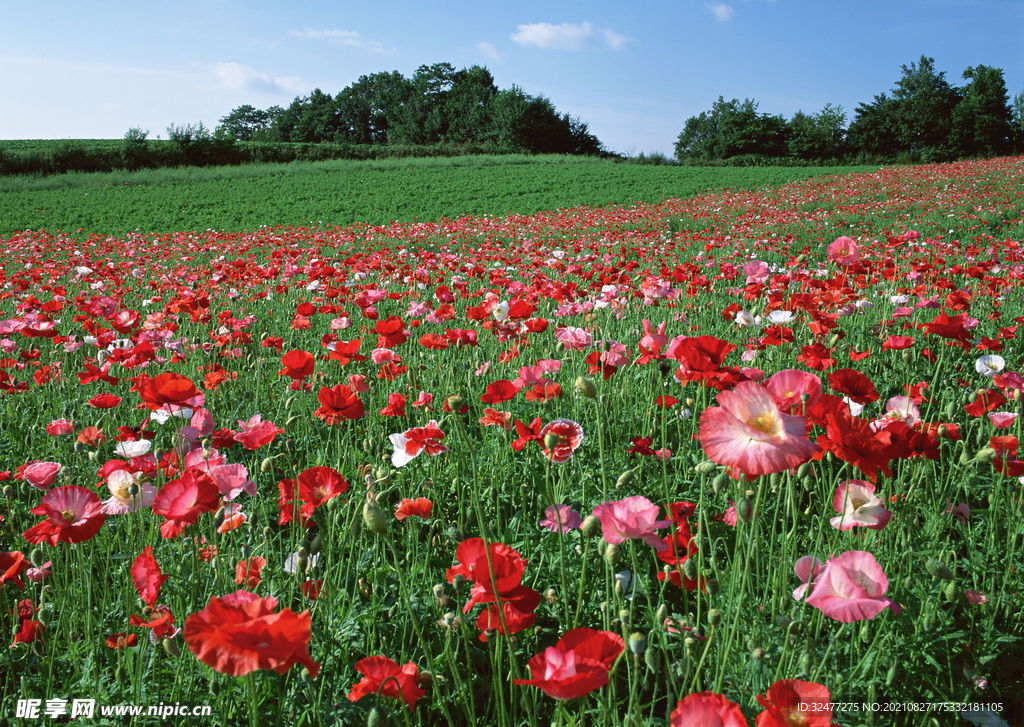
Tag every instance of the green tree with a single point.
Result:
(135, 148)
(924, 103)
(371, 109)
(1017, 121)
(467, 107)
(245, 122)
(874, 130)
(981, 124)
(319, 121)
(732, 129)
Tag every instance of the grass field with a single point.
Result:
(346, 192)
(614, 466)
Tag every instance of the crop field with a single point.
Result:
(348, 192)
(473, 443)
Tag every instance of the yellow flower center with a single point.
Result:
(69, 516)
(766, 422)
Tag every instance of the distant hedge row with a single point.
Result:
(105, 155)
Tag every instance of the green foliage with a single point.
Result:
(981, 122)
(731, 129)
(924, 103)
(344, 191)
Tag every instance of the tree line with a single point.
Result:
(923, 118)
(438, 105)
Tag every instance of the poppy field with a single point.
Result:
(747, 457)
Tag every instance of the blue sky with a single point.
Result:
(633, 71)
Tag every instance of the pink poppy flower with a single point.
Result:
(788, 388)
(961, 512)
(707, 709)
(232, 480)
(561, 517)
(42, 475)
(357, 382)
(1002, 419)
(38, 575)
(256, 432)
(851, 587)
(59, 428)
(654, 336)
(575, 339)
(424, 400)
(807, 569)
(843, 251)
(570, 437)
(121, 500)
(749, 434)
(73, 514)
(976, 598)
(634, 518)
(902, 409)
(411, 442)
(860, 506)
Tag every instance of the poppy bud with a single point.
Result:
(783, 621)
(690, 569)
(705, 468)
(950, 410)
(551, 597)
(806, 662)
(45, 614)
(890, 676)
(744, 510)
(383, 476)
(624, 479)
(551, 441)
(721, 482)
(661, 614)
(37, 557)
(775, 481)
(490, 634)
(637, 643)
(456, 402)
(951, 592)
(317, 544)
(377, 718)
(171, 647)
(373, 516)
(986, 455)
(611, 554)
(712, 585)
(908, 355)
(1017, 395)
(218, 518)
(80, 447)
(425, 678)
(972, 397)
(941, 431)
(865, 633)
(267, 532)
(714, 617)
(624, 615)
(758, 654)
(652, 659)
(591, 526)
(804, 470)
(938, 569)
(585, 387)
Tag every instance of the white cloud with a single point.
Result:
(567, 36)
(723, 13)
(351, 38)
(243, 78)
(488, 50)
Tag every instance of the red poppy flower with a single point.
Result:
(852, 440)
(74, 515)
(337, 404)
(317, 485)
(240, 632)
(495, 418)
(346, 351)
(395, 407)
(527, 434)
(248, 572)
(12, 565)
(147, 577)
(91, 436)
(92, 374)
(256, 433)
(170, 391)
(544, 392)
(641, 446)
(298, 365)
(421, 507)
(391, 332)
(570, 437)
(183, 500)
(104, 401)
(30, 631)
(409, 444)
(897, 343)
(816, 357)
(499, 391)
(434, 341)
(121, 640)
(853, 384)
(577, 665)
(382, 675)
(987, 401)
(945, 326)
